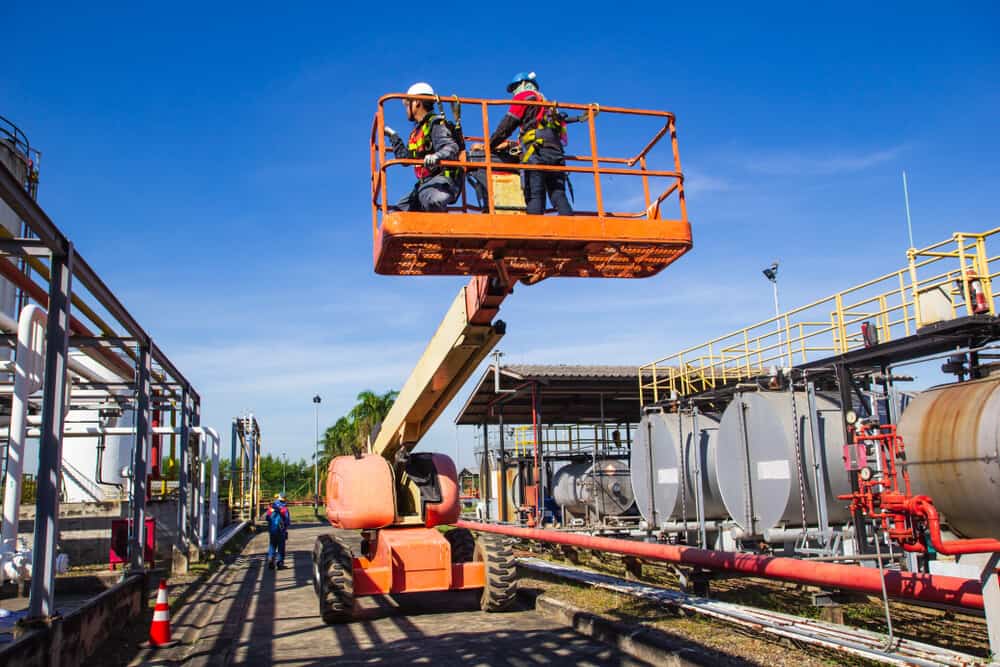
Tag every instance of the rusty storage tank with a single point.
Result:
(952, 439)
(600, 489)
(759, 482)
(656, 470)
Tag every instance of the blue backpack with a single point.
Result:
(275, 522)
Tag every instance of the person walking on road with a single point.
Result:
(278, 521)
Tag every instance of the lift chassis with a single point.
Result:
(397, 499)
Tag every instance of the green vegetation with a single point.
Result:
(350, 433)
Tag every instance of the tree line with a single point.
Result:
(348, 435)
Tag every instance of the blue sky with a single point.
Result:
(212, 163)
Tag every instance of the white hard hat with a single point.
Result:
(420, 88)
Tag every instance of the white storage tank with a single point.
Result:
(759, 479)
(596, 490)
(656, 470)
(82, 482)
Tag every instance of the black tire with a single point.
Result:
(463, 545)
(335, 580)
(501, 572)
(318, 546)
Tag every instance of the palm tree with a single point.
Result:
(350, 433)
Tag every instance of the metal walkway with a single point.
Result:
(841, 638)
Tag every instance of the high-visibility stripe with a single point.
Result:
(163, 615)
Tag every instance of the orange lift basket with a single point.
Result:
(497, 239)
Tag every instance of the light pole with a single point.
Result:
(771, 273)
(284, 464)
(316, 402)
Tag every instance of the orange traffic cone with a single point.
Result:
(159, 631)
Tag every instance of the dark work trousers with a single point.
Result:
(432, 194)
(276, 547)
(538, 184)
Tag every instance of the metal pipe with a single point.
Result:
(213, 499)
(29, 366)
(903, 585)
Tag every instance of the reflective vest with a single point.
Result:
(547, 118)
(420, 145)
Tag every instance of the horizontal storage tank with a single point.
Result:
(585, 488)
(952, 439)
(656, 470)
(759, 479)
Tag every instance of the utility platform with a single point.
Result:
(494, 236)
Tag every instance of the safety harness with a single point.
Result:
(420, 144)
(548, 118)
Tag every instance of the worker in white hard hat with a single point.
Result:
(432, 140)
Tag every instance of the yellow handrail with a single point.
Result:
(894, 303)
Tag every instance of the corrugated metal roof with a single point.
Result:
(569, 371)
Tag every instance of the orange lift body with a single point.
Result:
(473, 240)
(398, 498)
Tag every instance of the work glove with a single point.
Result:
(389, 132)
(431, 160)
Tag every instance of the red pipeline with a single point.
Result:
(903, 585)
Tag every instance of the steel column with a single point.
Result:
(503, 473)
(991, 601)
(182, 476)
(137, 537)
(819, 464)
(535, 422)
(55, 390)
(485, 492)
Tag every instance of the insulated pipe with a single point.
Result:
(29, 365)
(10, 325)
(201, 488)
(904, 585)
(213, 512)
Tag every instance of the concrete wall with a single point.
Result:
(70, 640)
(85, 528)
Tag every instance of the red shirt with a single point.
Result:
(517, 110)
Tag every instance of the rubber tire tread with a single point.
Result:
(501, 572)
(318, 547)
(336, 590)
(463, 545)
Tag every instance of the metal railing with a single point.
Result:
(15, 141)
(593, 163)
(948, 279)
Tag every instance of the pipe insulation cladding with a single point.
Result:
(952, 438)
(665, 490)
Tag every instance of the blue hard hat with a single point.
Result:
(520, 78)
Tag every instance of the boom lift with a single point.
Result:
(398, 498)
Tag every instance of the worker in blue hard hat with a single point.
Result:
(542, 138)
(431, 140)
(278, 521)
